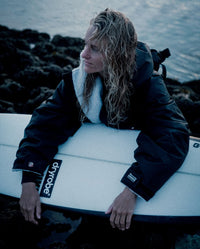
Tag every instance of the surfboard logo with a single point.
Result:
(50, 178)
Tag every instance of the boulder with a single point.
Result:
(187, 97)
(67, 41)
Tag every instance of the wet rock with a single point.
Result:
(31, 77)
(43, 48)
(191, 111)
(66, 41)
(73, 52)
(13, 60)
(6, 107)
(188, 241)
(187, 97)
(54, 75)
(12, 91)
(24, 59)
(60, 59)
(7, 52)
(194, 85)
(34, 36)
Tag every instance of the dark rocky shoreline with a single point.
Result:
(31, 66)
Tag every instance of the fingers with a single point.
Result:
(112, 219)
(30, 211)
(120, 220)
(122, 210)
(128, 220)
(30, 203)
(38, 210)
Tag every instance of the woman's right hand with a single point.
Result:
(30, 205)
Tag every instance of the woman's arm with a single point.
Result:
(51, 125)
(162, 144)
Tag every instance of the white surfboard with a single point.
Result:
(86, 173)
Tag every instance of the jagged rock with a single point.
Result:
(6, 107)
(60, 59)
(31, 77)
(191, 111)
(12, 91)
(34, 36)
(187, 97)
(54, 75)
(66, 41)
(73, 52)
(188, 241)
(43, 48)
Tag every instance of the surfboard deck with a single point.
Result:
(85, 175)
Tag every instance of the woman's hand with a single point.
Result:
(30, 203)
(121, 210)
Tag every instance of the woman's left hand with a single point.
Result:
(121, 210)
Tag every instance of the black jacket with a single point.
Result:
(162, 142)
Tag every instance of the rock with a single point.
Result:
(12, 91)
(188, 241)
(6, 107)
(7, 52)
(67, 41)
(3, 28)
(31, 77)
(54, 75)
(33, 36)
(12, 59)
(187, 97)
(24, 59)
(73, 52)
(43, 48)
(191, 111)
(194, 85)
(60, 59)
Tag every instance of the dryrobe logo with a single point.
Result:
(50, 179)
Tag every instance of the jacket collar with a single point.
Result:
(144, 64)
(92, 111)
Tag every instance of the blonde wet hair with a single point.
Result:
(118, 40)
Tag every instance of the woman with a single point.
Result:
(114, 84)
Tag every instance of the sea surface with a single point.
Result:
(174, 24)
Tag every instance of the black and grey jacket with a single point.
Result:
(162, 142)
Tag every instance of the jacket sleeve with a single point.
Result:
(162, 143)
(51, 125)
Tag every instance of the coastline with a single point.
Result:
(31, 66)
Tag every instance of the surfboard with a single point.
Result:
(86, 172)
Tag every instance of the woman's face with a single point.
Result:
(92, 55)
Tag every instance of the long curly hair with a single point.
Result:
(118, 40)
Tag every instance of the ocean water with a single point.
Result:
(174, 24)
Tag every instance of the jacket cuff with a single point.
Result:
(31, 165)
(134, 182)
(29, 177)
